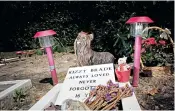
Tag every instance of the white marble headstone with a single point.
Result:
(80, 80)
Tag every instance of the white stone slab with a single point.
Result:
(45, 101)
(130, 103)
(11, 59)
(6, 95)
(2, 64)
(80, 80)
(17, 85)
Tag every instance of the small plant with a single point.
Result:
(39, 52)
(19, 95)
(58, 47)
(154, 52)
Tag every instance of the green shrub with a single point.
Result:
(107, 20)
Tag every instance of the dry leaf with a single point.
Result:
(38, 98)
(167, 30)
(164, 35)
(153, 91)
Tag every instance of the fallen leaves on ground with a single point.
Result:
(153, 91)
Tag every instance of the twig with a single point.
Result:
(100, 92)
(97, 105)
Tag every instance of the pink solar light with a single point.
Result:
(19, 52)
(46, 41)
(138, 24)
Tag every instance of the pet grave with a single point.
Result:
(78, 82)
(7, 91)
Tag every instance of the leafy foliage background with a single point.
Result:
(21, 20)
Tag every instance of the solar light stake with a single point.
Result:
(46, 41)
(138, 24)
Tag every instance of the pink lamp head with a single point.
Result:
(138, 24)
(141, 19)
(44, 33)
(45, 38)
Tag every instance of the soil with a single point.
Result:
(153, 93)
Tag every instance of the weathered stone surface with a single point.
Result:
(6, 96)
(70, 104)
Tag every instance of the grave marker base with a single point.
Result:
(129, 103)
